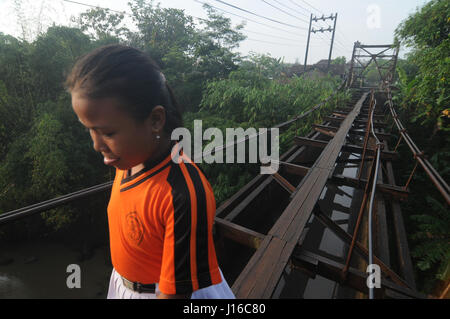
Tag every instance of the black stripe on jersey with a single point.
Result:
(148, 165)
(145, 178)
(182, 229)
(202, 260)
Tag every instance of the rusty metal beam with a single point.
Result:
(392, 190)
(362, 122)
(380, 135)
(290, 168)
(360, 249)
(400, 238)
(347, 147)
(284, 183)
(310, 142)
(314, 264)
(326, 131)
(230, 204)
(237, 233)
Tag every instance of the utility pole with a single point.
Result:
(316, 19)
(332, 41)
(307, 43)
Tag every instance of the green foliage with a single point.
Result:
(432, 236)
(226, 179)
(51, 57)
(373, 74)
(428, 27)
(250, 96)
(257, 95)
(428, 34)
(339, 60)
(101, 23)
(423, 97)
(160, 29)
(219, 30)
(189, 56)
(16, 93)
(45, 153)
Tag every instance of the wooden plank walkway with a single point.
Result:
(262, 273)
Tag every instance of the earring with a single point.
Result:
(158, 137)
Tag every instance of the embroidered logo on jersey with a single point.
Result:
(134, 228)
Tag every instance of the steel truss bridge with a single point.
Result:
(273, 227)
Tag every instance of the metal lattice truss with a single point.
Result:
(382, 58)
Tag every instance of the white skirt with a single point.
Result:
(117, 290)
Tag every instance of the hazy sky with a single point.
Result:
(367, 21)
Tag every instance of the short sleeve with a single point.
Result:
(189, 262)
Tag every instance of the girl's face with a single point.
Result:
(123, 142)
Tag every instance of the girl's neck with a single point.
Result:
(163, 148)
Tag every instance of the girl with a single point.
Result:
(161, 211)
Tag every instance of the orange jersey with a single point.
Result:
(160, 226)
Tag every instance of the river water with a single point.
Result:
(39, 271)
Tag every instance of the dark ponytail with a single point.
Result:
(128, 74)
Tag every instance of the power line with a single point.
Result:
(247, 19)
(263, 41)
(279, 9)
(96, 7)
(125, 13)
(342, 51)
(339, 49)
(312, 7)
(303, 14)
(301, 7)
(322, 39)
(347, 48)
(260, 16)
(319, 12)
(336, 42)
(268, 35)
(322, 23)
(342, 47)
(316, 10)
(344, 37)
(250, 39)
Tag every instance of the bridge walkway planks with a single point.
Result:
(260, 276)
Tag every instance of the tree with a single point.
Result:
(187, 55)
(160, 30)
(214, 45)
(17, 95)
(254, 93)
(427, 34)
(423, 94)
(339, 60)
(102, 23)
(44, 151)
(51, 57)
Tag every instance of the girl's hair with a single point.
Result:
(128, 74)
